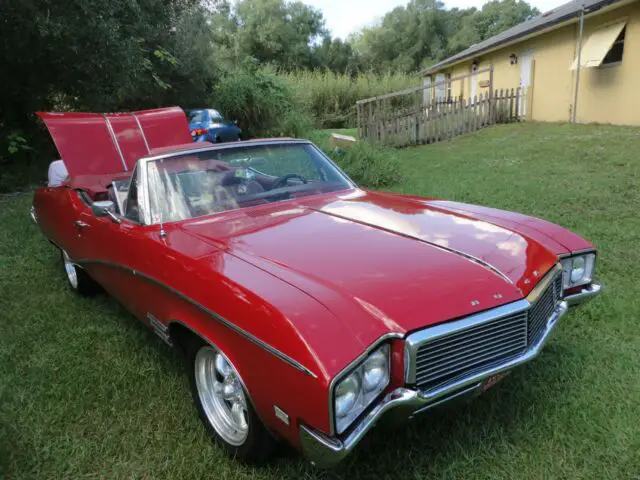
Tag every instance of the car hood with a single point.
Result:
(399, 261)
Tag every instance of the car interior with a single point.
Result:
(192, 185)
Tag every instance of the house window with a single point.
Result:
(614, 55)
(603, 47)
(448, 85)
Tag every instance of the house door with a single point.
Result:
(526, 62)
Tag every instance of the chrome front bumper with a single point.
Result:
(587, 293)
(402, 403)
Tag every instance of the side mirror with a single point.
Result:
(105, 208)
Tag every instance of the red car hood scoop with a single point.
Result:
(408, 269)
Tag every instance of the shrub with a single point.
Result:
(262, 102)
(370, 165)
(331, 98)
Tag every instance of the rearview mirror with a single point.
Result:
(105, 208)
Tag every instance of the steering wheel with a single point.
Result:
(282, 181)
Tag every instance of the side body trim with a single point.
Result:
(252, 338)
(160, 329)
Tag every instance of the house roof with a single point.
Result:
(537, 24)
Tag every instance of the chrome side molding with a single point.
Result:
(232, 326)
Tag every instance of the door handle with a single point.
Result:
(80, 224)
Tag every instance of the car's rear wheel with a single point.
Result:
(77, 278)
(224, 407)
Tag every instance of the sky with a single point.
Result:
(348, 16)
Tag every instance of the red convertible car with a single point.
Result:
(307, 309)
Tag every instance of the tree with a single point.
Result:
(423, 31)
(495, 17)
(102, 55)
(336, 55)
(271, 31)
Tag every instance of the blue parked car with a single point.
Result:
(207, 125)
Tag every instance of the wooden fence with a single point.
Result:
(405, 118)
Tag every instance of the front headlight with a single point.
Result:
(578, 270)
(346, 395)
(355, 392)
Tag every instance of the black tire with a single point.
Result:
(259, 445)
(217, 140)
(77, 279)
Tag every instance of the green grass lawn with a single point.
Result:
(86, 392)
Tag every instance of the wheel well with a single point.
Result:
(181, 336)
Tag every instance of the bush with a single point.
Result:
(261, 101)
(370, 165)
(331, 98)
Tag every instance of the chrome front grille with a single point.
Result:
(542, 309)
(444, 359)
(446, 353)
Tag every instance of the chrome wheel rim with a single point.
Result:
(221, 395)
(70, 269)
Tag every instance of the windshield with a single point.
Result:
(202, 183)
(197, 116)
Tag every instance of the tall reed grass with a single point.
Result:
(331, 98)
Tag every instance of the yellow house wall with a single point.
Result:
(458, 87)
(606, 95)
(611, 94)
(552, 78)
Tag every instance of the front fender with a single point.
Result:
(253, 318)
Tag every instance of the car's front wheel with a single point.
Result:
(224, 407)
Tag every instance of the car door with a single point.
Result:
(113, 252)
